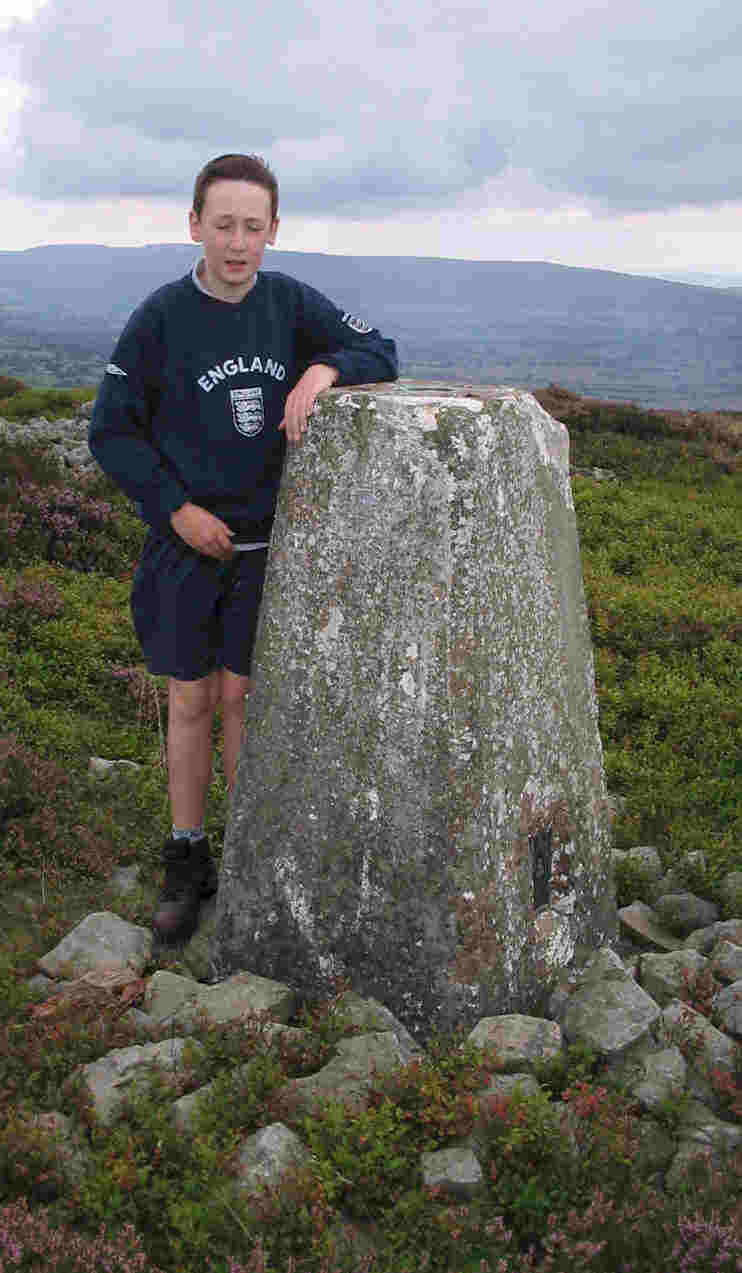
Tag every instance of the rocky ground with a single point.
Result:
(665, 1015)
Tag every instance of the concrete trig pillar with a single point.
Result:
(420, 806)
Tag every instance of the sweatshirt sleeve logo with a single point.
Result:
(356, 324)
(247, 411)
(113, 370)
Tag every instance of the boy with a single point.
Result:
(210, 378)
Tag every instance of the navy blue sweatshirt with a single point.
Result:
(191, 401)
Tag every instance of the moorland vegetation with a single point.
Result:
(662, 565)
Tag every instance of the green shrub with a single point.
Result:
(54, 404)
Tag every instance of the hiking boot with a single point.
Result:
(190, 876)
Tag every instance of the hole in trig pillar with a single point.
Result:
(541, 853)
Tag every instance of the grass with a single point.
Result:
(662, 572)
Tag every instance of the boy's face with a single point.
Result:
(234, 227)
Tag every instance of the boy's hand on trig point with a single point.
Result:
(303, 397)
(201, 530)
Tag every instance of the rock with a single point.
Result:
(609, 1016)
(605, 964)
(101, 768)
(125, 879)
(456, 1171)
(656, 1147)
(373, 1016)
(196, 953)
(663, 1078)
(41, 987)
(420, 806)
(100, 943)
(187, 1106)
(182, 1001)
(727, 1009)
(705, 1048)
(109, 1079)
(140, 1021)
(167, 992)
(642, 925)
(72, 1151)
(704, 1141)
(265, 1158)
(698, 1124)
(704, 939)
(730, 890)
(504, 1086)
(348, 1078)
(683, 913)
(726, 961)
(518, 1041)
(689, 1157)
(646, 858)
(671, 976)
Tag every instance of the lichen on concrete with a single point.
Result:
(422, 745)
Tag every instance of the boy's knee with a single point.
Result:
(191, 701)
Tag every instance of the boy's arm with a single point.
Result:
(339, 349)
(119, 434)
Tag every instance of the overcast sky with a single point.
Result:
(602, 134)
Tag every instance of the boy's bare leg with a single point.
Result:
(191, 707)
(233, 689)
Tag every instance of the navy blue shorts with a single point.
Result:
(193, 613)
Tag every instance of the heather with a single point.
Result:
(568, 1185)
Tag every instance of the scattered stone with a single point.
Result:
(101, 768)
(727, 1009)
(110, 1078)
(102, 942)
(683, 913)
(604, 965)
(671, 976)
(181, 1001)
(507, 1085)
(348, 1078)
(705, 1049)
(266, 1157)
(609, 1016)
(373, 1016)
(642, 924)
(125, 879)
(455, 1170)
(730, 891)
(664, 1077)
(726, 961)
(196, 953)
(656, 1147)
(140, 1021)
(698, 1124)
(647, 859)
(704, 939)
(689, 1157)
(597, 474)
(518, 1041)
(187, 1106)
(40, 987)
(704, 1141)
(73, 1153)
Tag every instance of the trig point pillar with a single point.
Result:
(420, 807)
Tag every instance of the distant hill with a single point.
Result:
(622, 336)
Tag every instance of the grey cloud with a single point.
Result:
(366, 108)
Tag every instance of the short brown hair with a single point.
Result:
(235, 168)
